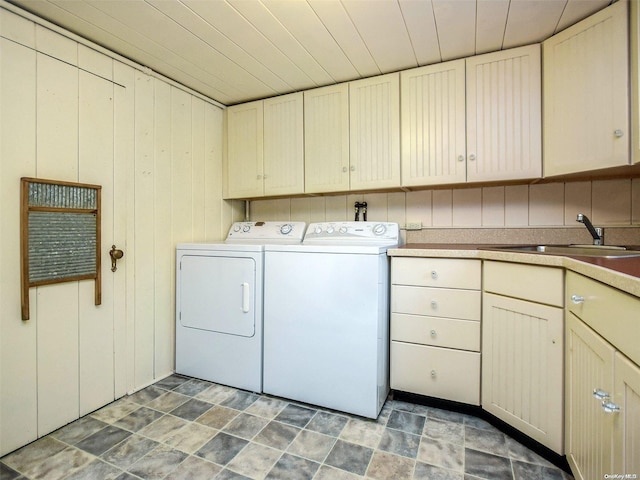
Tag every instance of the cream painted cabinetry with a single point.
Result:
(326, 139)
(522, 349)
(265, 148)
(374, 132)
(602, 379)
(472, 120)
(435, 327)
(586, 94)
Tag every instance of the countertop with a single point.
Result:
(621, 273)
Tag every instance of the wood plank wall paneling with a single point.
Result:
(605, 202)
(157, 151)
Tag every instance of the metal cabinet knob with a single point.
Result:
(434, 304)
(472, 157)
(600, 394)
(610, 407)
(577, 299)
(434, 274)
(461, 158)
(353, 168)
(618, 133)
(433, 373)
(433, 333)
(344, 169)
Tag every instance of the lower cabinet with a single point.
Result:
(522, 349)
(435, 327)
(602, 383)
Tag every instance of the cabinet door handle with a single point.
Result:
(434, 304)
(434, 274)
(433, 373)
(472, 157)
(353, 168)
(600, 394)
(461, 158)
(618, 133)
(577, 299)
(344, 169)
(610, 407)
(433, 333)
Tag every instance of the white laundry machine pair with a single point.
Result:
(326, 317)
(219, 303)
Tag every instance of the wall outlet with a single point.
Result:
(414, 226)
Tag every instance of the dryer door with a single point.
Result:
(218, 294)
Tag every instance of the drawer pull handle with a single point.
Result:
(610, 407)
(434, 274)
(433, 374)
(577, 299)
(434, 304)
(600, 394)
(433, 333)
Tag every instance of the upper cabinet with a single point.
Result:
(244, 165)
(504, 134)
(374, 134)
(326, 139)
(433, 124)
(473, 120)
(265, 148)
(586, 94)
(635, 81)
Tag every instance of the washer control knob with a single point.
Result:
(331, 230)
(236, 228)
(379, 229)
(246, 228)
(318, 229)
(286, 229)
(343, 230)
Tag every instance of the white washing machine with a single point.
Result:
(326, 317)
(219, 303)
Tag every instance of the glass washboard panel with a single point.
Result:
(60, 235)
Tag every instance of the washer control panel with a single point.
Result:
(352, 232)
(265, 232)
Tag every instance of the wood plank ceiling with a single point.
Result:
(234, 51)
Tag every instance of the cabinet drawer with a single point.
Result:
(436, 302)
(436, 272)
(610, 312)
(438, 332)
(436, 372)
(528, 282)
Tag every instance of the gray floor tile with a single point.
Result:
(486, 440)
(103, 440)
(129, 451)
(192, 388)
(277, 435)
(7, 473)
(239, 400)
(290, 467)
(406, 421)
(447, 431)
(167, 402)
(441, 454)
(97, 469)
(144, 396)
(296, 415)
(222, 448)
(400, 443)
(194, 468)
(78, 430)
(172, 381)
(327, 423)
(158, 463)
(350, 457)
(385, 466)
(217, 417)
(246, 425)
(138, 419)
(486, 465)
(532, 471)
(255, 460)
(425, 471)
(191, 409)
(312, 445)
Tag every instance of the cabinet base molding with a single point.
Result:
(559, 461)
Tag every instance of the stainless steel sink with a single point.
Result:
(602, 251)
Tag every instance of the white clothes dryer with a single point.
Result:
(326, 318)
(219, 303)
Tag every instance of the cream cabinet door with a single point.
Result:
(522, 366)
(244, 159)
(627, 420)
(283, 145)
(588, 430)
(326, 139)
(433, 124)
(586, 94)
(504, 139)
(374, 107)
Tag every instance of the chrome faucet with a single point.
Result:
(596, 233)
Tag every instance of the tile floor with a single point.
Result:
(184, 428)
